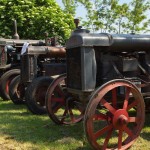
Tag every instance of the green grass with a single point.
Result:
(21, 130)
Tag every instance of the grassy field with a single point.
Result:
(21, 130)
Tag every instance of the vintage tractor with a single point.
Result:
(10, 50)
(10, 61)
(38, 65)
(107, 83)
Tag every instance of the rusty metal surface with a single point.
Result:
(19, 42)
(49, 51)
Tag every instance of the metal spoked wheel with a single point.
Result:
(114, 116)
(62, 108)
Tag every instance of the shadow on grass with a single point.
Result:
(146, 130)
(17, 123)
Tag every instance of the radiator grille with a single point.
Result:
(28, 68)
(74, 68)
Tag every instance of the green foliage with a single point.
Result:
(34, 18)
(70, 6)
(112, 16)
(137, 18)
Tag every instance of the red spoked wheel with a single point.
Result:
(114, 116)
(62, 107)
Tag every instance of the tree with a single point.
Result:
(137, 18)
(100, 14)
(113, 16)
(70, 6)
(34, 18)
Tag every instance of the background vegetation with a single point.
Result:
(19, 129)
(113, 16)
(34, 18)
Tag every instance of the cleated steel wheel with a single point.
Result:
(114, 116)
(62, 108)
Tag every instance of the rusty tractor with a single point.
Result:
(107, 85)
(10, 50)
(38, 65)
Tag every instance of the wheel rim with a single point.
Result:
(111, 116)
(61, 106)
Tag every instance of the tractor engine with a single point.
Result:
(93, 59)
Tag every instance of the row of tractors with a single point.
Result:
(102, 79)
(25, 60)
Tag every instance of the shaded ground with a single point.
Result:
(21, 130)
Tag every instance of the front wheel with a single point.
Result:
(61, 106)
(114, 116)
(35, 95)
(17, 91)
(5, 81)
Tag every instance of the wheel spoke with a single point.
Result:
(126, 98)
(108, 106)
(128, 131)
(133, 104)
(64, 116)
(134, 119)
(120, 139)
(59, 90)
(79, 106)
(107, 139)
(114, 97)
(99, 116)
(71, 115)
(56, 108)
(102, 131)
(57, 99)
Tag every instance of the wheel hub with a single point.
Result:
(120, 119)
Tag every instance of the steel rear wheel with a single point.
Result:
(114, 116)
(62, 108)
